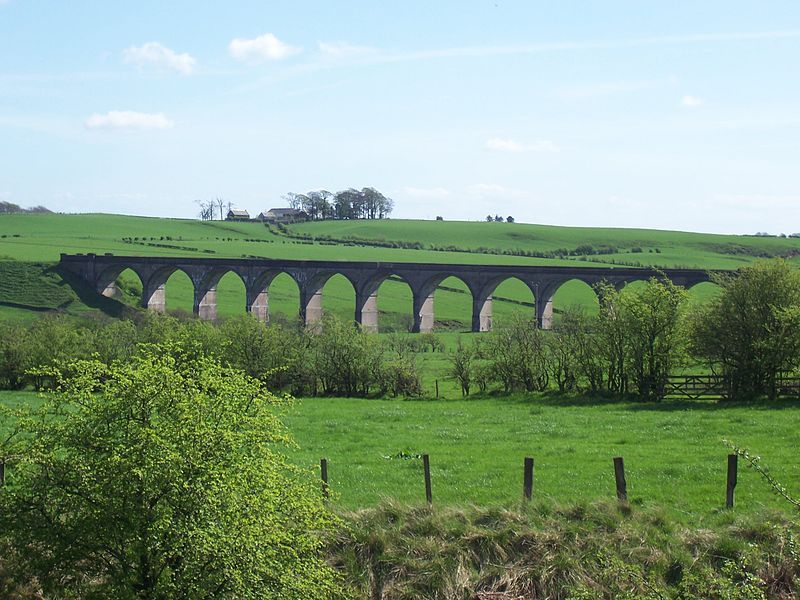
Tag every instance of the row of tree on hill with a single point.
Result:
(10, 208)
(366, 203)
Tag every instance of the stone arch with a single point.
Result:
(367, 313)
(483, 301)
(311, 289)
(106, 282)
(545, 294)
(702, 291)
(424, 316)
(206, 284)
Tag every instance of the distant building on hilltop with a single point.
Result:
(283, 215)
(236, 214)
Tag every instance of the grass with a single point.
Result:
(674, 452)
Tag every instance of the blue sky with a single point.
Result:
(672, 115)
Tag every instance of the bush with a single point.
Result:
(162, 477)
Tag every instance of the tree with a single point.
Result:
(654, 339)
(498, 219)
(750, 333)
(516, 355)
(489, 218)
(461, 367)
(220, 202)
(509, 219)
(162, 477)
(207, 209)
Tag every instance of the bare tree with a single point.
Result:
(220, 201)
(207, 209)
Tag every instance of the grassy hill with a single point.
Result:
(30, 245)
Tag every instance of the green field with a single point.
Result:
(38, 239)
(674, 453)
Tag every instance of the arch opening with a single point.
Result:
(177, 293)
(280, 299)
(453, 304)
(336, 297)
(122, 284)
(389, 307)
(509, 297)
(230, 295)
(702, 292)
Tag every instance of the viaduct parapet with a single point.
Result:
(102, 271)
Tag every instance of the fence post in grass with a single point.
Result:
(323, 467)
(733, 461)
(2, 473)
(437, 389)
(619, 475)
(527, 480)
(426, 464)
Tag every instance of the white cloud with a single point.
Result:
(509, 145)
(343, 50)
(128, 119)
(428, 193)
(153, 54)
(264, 47)
(691, 101)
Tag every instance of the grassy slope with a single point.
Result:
(40, 239)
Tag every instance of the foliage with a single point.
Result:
(750, 333)
(162, 477)
(516, 355)
(367, 203)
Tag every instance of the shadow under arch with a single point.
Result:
(121, 283)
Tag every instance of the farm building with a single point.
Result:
(236, 214)
(283, 215)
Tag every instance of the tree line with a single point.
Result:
(748, 335)
(366, 203)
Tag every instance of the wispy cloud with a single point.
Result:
(158, 56)
(339, 50)
(691, 101)
(509, 145)
(263, 48)
(128, 119)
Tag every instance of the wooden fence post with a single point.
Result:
(323, 467)
(426, 464)
(733, 461)
(437, 389)
(527, 479)
(2, 473)
(619, 475)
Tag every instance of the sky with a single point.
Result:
(670, 115)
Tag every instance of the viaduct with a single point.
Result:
(101, 272)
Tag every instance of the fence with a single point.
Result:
(527, 478)
(695, 387)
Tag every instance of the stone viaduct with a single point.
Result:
(101, 272)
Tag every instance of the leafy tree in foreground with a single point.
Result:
(750, 333)
(163, 478)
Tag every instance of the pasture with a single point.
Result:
(674, 452)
